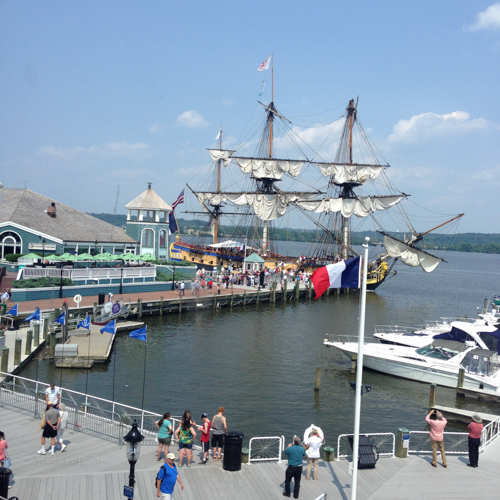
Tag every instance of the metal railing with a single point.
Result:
(489, 433)
(455, 443)
(384, 441)
(90, 274)
(262, 449)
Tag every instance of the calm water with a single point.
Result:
(259, 362)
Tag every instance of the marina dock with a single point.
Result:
(464, 416)
(94, 468)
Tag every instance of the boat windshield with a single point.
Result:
(432, 351)
(479, 364)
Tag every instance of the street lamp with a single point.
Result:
(44, 242)
(173, 278)
(61, 285)
(121, 279)
(95, 247)
(133, 450)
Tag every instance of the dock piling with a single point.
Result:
(460, 381)
(258, 291)
(5, 360)
(273, 295)
(232, 296)
(161, 306)
(297, 289)
(284, 291)
(354, 358)
(215, 301)
(180, 304)
(318, 379)
(310, 289)
(36, 335)
(29, 340)
(140, 308)
(244, 297)
(52, 345)
(432, 396)
(17, 352)
(45, 329)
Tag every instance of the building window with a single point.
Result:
(148, 238)
(10, 242)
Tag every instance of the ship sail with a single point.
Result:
(362, 206)
(354, 173)
(409, 255)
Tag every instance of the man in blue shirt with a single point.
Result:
(294, 470)
(167, 476)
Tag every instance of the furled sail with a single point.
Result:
(265, 206)
(270, 169)
(355, 172)
(222, 154)
(360, 207)
(410, 255)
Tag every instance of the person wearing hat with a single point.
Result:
(205, 436)
(167, 476)
(63, 415)
(475, 429)
(52, 422)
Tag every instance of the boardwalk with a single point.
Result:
(97, 469)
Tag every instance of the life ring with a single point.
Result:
(308, 432)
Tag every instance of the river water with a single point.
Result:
(260, 361)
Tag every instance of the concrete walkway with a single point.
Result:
(94, 468)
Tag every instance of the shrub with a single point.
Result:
(41, 282)
(12, 257)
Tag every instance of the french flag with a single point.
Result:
(344, 274)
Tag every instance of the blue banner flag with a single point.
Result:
(110, 328)
(85, 323)
(139, 334)
(34, 316)
(60, 319)
(172, 223)
(13, 311)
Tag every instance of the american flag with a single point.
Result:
(179, 200)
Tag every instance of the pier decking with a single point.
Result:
(94, 468)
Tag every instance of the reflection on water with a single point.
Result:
(259, 362)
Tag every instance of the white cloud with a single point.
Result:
(154, 129)
(109, 150)
(191, 119)
(427, 125)
(487, 20)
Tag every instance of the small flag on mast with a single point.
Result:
(218, 135)
(60, 319)
(35, 316)
(109, 328)
(140, 334)
(179, 200)
(172, 223)
(13, 311)
(85, 323)
(265, 64)
(263, 86)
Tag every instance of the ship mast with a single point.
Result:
(216, 224)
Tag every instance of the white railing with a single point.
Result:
(489, 433)
(384, 441)
(455, 443)
(90, 273)
(262, 449)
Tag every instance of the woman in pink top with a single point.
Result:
(436, 434)
(3, 447)
(475, 429)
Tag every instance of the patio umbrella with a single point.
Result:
(84, 256)
(67, 256)
(102, 256)
(52, 257)
(147, 257)
(30, 256)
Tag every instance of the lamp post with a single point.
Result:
(173, 278)
(44, 242)
(95, 247)
(133, 450)
(61, 285)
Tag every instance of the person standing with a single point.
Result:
(164, 435)
(197, 288)
(3, 449)
(182, 286)
(63, 414)
(295, 454)
(219, 426)
(52, 422)
(436, 435)
(167, 476)
(53, 395)
(475, 429)
(191, 286)
(205, 437)
(4, 297)
(313, 445)
(185, 434)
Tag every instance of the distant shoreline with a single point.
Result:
(461, 242)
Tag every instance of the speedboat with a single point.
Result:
(437, 363)
(460, 331)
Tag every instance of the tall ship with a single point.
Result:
(255, 192)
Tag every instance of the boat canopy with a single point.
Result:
(481, 362)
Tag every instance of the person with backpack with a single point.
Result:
(166, 478)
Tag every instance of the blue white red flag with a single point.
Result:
(179, 200)
(344, 274)
(85, 323)
(140, 334)
(13, 311)
(109, 328)
(35, 316)
(172, 223)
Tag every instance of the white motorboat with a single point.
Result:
(437, 363)
(460, 331)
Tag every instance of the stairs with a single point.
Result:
(7, 279)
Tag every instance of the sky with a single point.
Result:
(99, 98)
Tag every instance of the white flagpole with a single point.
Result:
(359, 373)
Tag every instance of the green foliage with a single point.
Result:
(12, 257)
(41, 282)
(168, 276)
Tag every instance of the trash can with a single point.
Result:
(101, 299)
(15, 324)
(233, 444)
(4, 481)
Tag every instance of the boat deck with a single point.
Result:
(94, 468)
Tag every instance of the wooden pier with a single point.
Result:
(94, 468)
